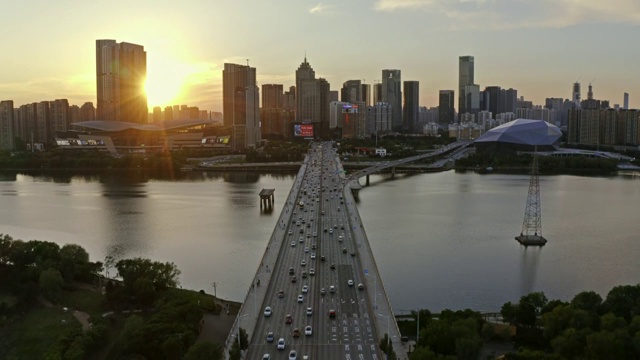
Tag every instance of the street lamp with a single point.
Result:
(240, 317)
(388, 327)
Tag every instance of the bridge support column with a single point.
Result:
(393, 172)
(367, 180)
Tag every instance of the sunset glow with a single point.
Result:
(167, 80)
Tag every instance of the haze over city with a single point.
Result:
(538, 47)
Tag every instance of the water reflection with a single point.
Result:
(241, 178)
(529, 262)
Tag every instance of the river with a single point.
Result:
(443, 240)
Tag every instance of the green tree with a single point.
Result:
(172, 347)
(205, 350)
(623, 301)
(51, 284)
(570, 344)
(587, 300)
(132, 335)
(605, 345)
(73, 261)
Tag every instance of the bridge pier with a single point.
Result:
(393, 172)
(267, 199)
(367, 183)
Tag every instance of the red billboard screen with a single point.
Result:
(303, 130)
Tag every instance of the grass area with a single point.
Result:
(32, 336)
(85, 300)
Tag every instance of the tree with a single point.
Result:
(51, 284)
(132, 334)
(73, 262)
(605, 345)
(623, 301)
(587, 300)
(205, 350)
(571, 343)
(162, 275)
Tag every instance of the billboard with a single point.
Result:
(303, 131)
(349, 109)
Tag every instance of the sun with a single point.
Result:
(166, 79)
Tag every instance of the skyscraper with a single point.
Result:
(446, 112)
(366, 93)
(351, 91)
(410, 115)
(240, 102)
(377, 93)
(272, 96)
(392, 94)
(493, 93)
(465, 77)
(121, 71)
(625, 103)
(313, 97)
(576, 95)
(6, 125)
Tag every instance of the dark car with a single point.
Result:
(295, 333)
(281, 293)
(288, 319)
(332, 313)
(293, 279)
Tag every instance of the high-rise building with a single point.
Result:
(240, 101)
(121, 71)
(471, 99)
(508, 101)
(576, 95)
(6, 125)
(272, 96)
(60, 113)
(392, 94)
(351, 91)
(313, 97)
(377, 93)
(465, 77)
(378, 118)
(42, 124)
(87, 112)
(446, 112)
(366, 93)
(411, 115)
(289, 102)
(493, 95)
(625, 103)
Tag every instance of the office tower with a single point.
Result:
(378, 118)
(313, 97)
(240, 101)
(576, 95)
(42, 125)
(6, 125)
(157, 114)
(334, 95)
(168, 113)
(377, 93)
(508, 101)
(392, 94)
(446, 112)
(351, 91)
(60, 114)
(272, 96)
(365, 90)
(493, 96)
(410, 114)
(471, 98)
(75, 114)
(289, 101)
(465, 77)
(87, 112)
(121, 71)
(625, 103)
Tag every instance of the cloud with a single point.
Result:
(319, 9)
(509, 14)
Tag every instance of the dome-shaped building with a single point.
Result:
(520, 135)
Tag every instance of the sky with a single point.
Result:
(539, 47)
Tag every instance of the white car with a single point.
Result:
(293, 355)
(293, 244)
(281, 344)
(301, 239)
(332, 289)
(308, 331)
(306, 249)
(290, 232)
(350, 282)
(312, 272)
(313, 256)
(309, 311)
(267, 311)
(305, 289)
(303, 263)
(300, 298)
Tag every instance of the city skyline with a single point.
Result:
(548, 46)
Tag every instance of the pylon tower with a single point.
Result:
(531, 233)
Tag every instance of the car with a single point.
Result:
(333, 266)
(266, 357)
(350, 282)
(293, 244)
(353, 254)
(314, 246)
(303, 263)
(293, 355)
(308, 331)
(301, 238)
(344, 250)
(335, 226)
(281, 344)
(332, 313)
(301, 231)
(340, 238)
(293, 279)
(312, 272)
(304, 274)
(332, 289)
(295, 333)
(300, 298)
(322, 258)
(313, 256)
(306, 249)
(330, 231)
(267, 311)
(323, 291)
(291, 271)
(288, 319)
(305, 289)
(360, 286)
(280, 293)
(270, 336)
(309, 311)
(290, 232)
(315, 234)
(325, 229)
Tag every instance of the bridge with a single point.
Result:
(318, 286)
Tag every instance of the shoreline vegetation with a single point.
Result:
(56, 304)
